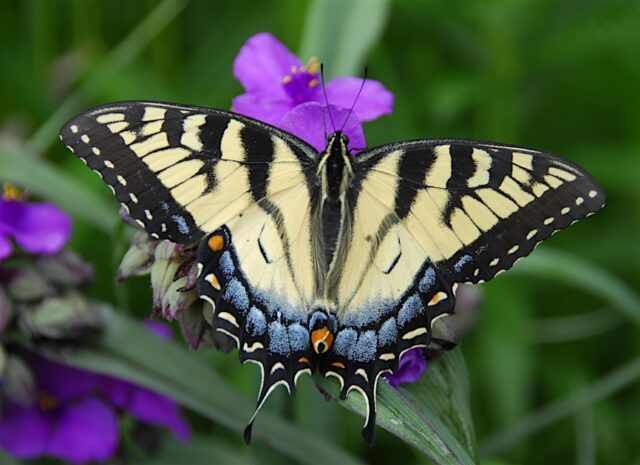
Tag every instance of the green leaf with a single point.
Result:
(555, 265)
(616, 380)
(341, 33)
(125, 52)
(52, 183)
(199, 450)
(6, 459)
(127, 351)
(432, 415)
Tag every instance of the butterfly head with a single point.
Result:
(335, 166)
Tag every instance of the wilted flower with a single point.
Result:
(281, 91)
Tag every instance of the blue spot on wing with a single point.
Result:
(226, 265)
(366, 346)
(411, 308)
(298, 337)
(256, 324)
(345, 342)
(278, 338)
(462, 262)
(428, 280)
(235, 293)
(388, 333)
(181, 223)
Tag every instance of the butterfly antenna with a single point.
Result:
(324, 124)
(364, 79)
(325, 97)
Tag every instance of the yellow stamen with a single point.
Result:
(314, 65)
(294, 69)
(286, 79)
(313, 83)
(11, 192)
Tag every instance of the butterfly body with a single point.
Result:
(327, 261)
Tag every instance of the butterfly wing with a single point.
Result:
(182, 171)
(240, 187)
(426, 215)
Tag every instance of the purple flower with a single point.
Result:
(75, 417)
(40, 228)
(412, 366)
(279, 89)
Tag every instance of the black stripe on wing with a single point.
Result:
(502, 200)
(135, 185)
(160, 158)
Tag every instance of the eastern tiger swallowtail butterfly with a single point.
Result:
(327, 261)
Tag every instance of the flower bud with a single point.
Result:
(17, 381)
(68, 315)
(6, 310)
(165, 266)
(65, 269)
(175, 300)
(26, 284)
(139, 258)
(193, 325)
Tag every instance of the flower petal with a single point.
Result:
(262, 63)
(85, 431)
(62, 381)
(266, 109)
(412, 366)
(311, 122)
(160, 329)
(24, 432)
(5, 246)
(155, 409)
(37, 227)
(374, 100)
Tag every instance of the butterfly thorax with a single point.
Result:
(334, 167)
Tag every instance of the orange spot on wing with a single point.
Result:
(303, 360)
(437, 298)
(213, 280)
(321, 336)
(216, 242)
(338, 364)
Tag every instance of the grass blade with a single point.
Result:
(341, 34)
(432, 415)
(608, 385)
(122, 54)
(552, 264)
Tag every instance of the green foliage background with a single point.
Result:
(553, 361)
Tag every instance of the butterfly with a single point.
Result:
(327, 261)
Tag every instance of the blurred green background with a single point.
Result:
(553, 360)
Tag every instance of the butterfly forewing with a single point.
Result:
(184, 171)
(474, 208)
